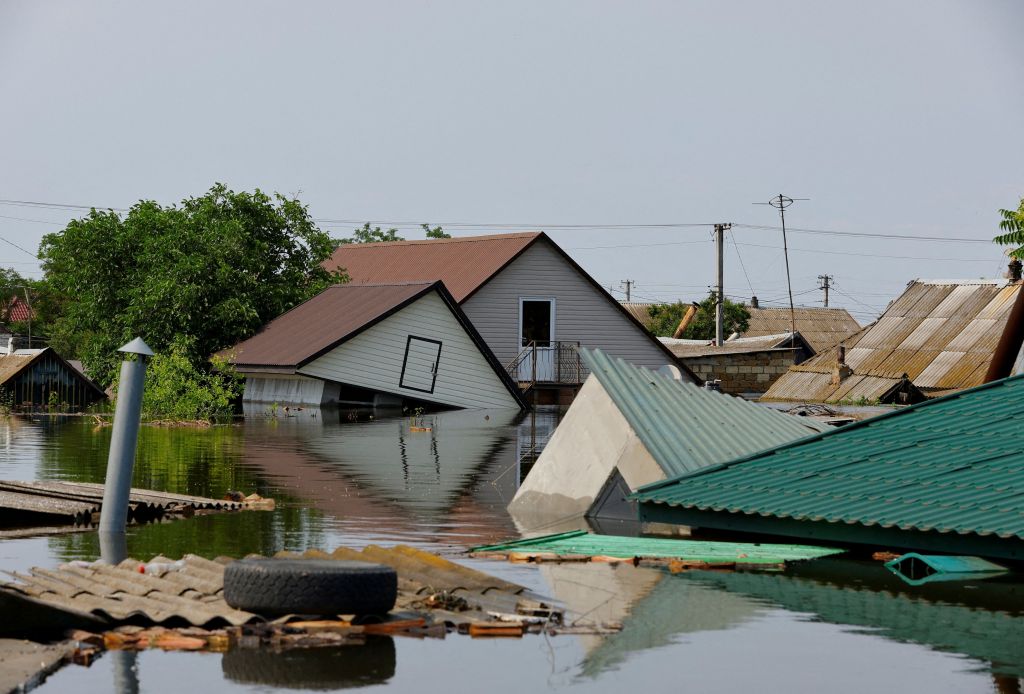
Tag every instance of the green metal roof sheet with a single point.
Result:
(952, 465)
(580, 542)
(684, 426)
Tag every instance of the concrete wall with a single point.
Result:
(590, 442)
(373, 359)
(582, 313)
(752, 372)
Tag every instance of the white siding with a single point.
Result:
(282, 389)
(582, 313)
(373, 359)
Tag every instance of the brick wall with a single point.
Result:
(752, 372)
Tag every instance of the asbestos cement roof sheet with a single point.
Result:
(463, 263)
(684, 426)
(941, 333)
(951, 465)
(739, 345)
(641, 311)
(821, 327)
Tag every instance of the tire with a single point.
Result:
(313, 668)
(274, 587)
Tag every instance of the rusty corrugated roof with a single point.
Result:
(463, 263)
(321, 322)
(821, 327)
(941, 333)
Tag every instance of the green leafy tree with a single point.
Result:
(202, 275)
(1013, 226)
(368, 234)
(176, 389)
(435, 232)
(666, 317)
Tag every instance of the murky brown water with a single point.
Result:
(837, 626)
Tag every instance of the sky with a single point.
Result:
(588, 120)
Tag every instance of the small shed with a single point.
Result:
(743, 365)
(396, 343)
(629, 427)
(33, 379)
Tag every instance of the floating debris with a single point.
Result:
(917, 569)
(680, 555)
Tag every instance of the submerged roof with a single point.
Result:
(322, 322)
(12, 365)
(821, 327)
(941, 333)
(738, 345)
(684, 426)
(951, 465)
(463, 263)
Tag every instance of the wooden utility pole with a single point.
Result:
(629, 284)
(826, 282)
(720, 230)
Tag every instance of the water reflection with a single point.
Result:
(345, 667)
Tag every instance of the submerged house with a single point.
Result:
(32, 379)
(532, 304)
(821, 327)
(944, 475)
(629, 427)
(742, 365)
(380, 343)
(938, 337)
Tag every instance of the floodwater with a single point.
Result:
(831, 625)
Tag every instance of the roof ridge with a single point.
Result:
(453, 239)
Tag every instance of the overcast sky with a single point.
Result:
(892, 117)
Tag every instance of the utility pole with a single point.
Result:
(720, 230)
(629, 284)
(781, 202)
(826, 282)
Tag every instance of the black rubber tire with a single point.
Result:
(314, 668)
(272, 587)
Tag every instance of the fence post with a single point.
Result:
(121, 458)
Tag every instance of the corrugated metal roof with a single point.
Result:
(941, 334)
(821, 327)
(580, 542)
(951, 465)
(323, 321)
(685, 427)
(463, 263)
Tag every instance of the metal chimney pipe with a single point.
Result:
(124, 439)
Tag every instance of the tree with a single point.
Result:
(666, 319)
(1013, 224)
(202, 275)
(435, 233)
(368, 234)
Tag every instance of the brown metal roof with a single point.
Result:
(941, 333)
(463, 263)
(821, 327)
(322, 322)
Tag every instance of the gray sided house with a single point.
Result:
(33, 379)
(629, 427)
(532, 304)
(374, 343)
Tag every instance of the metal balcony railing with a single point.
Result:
(549, 363)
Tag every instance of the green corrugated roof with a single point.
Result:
(685, 427)
(580, 542)
(952, 465)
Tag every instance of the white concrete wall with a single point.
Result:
(285, 389)
(373, 359)
(590, 442)
(581, 312)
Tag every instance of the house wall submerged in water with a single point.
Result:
(37, 378)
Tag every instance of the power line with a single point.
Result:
(830, 232)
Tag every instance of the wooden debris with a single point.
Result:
(885, 556)
(492, 629)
